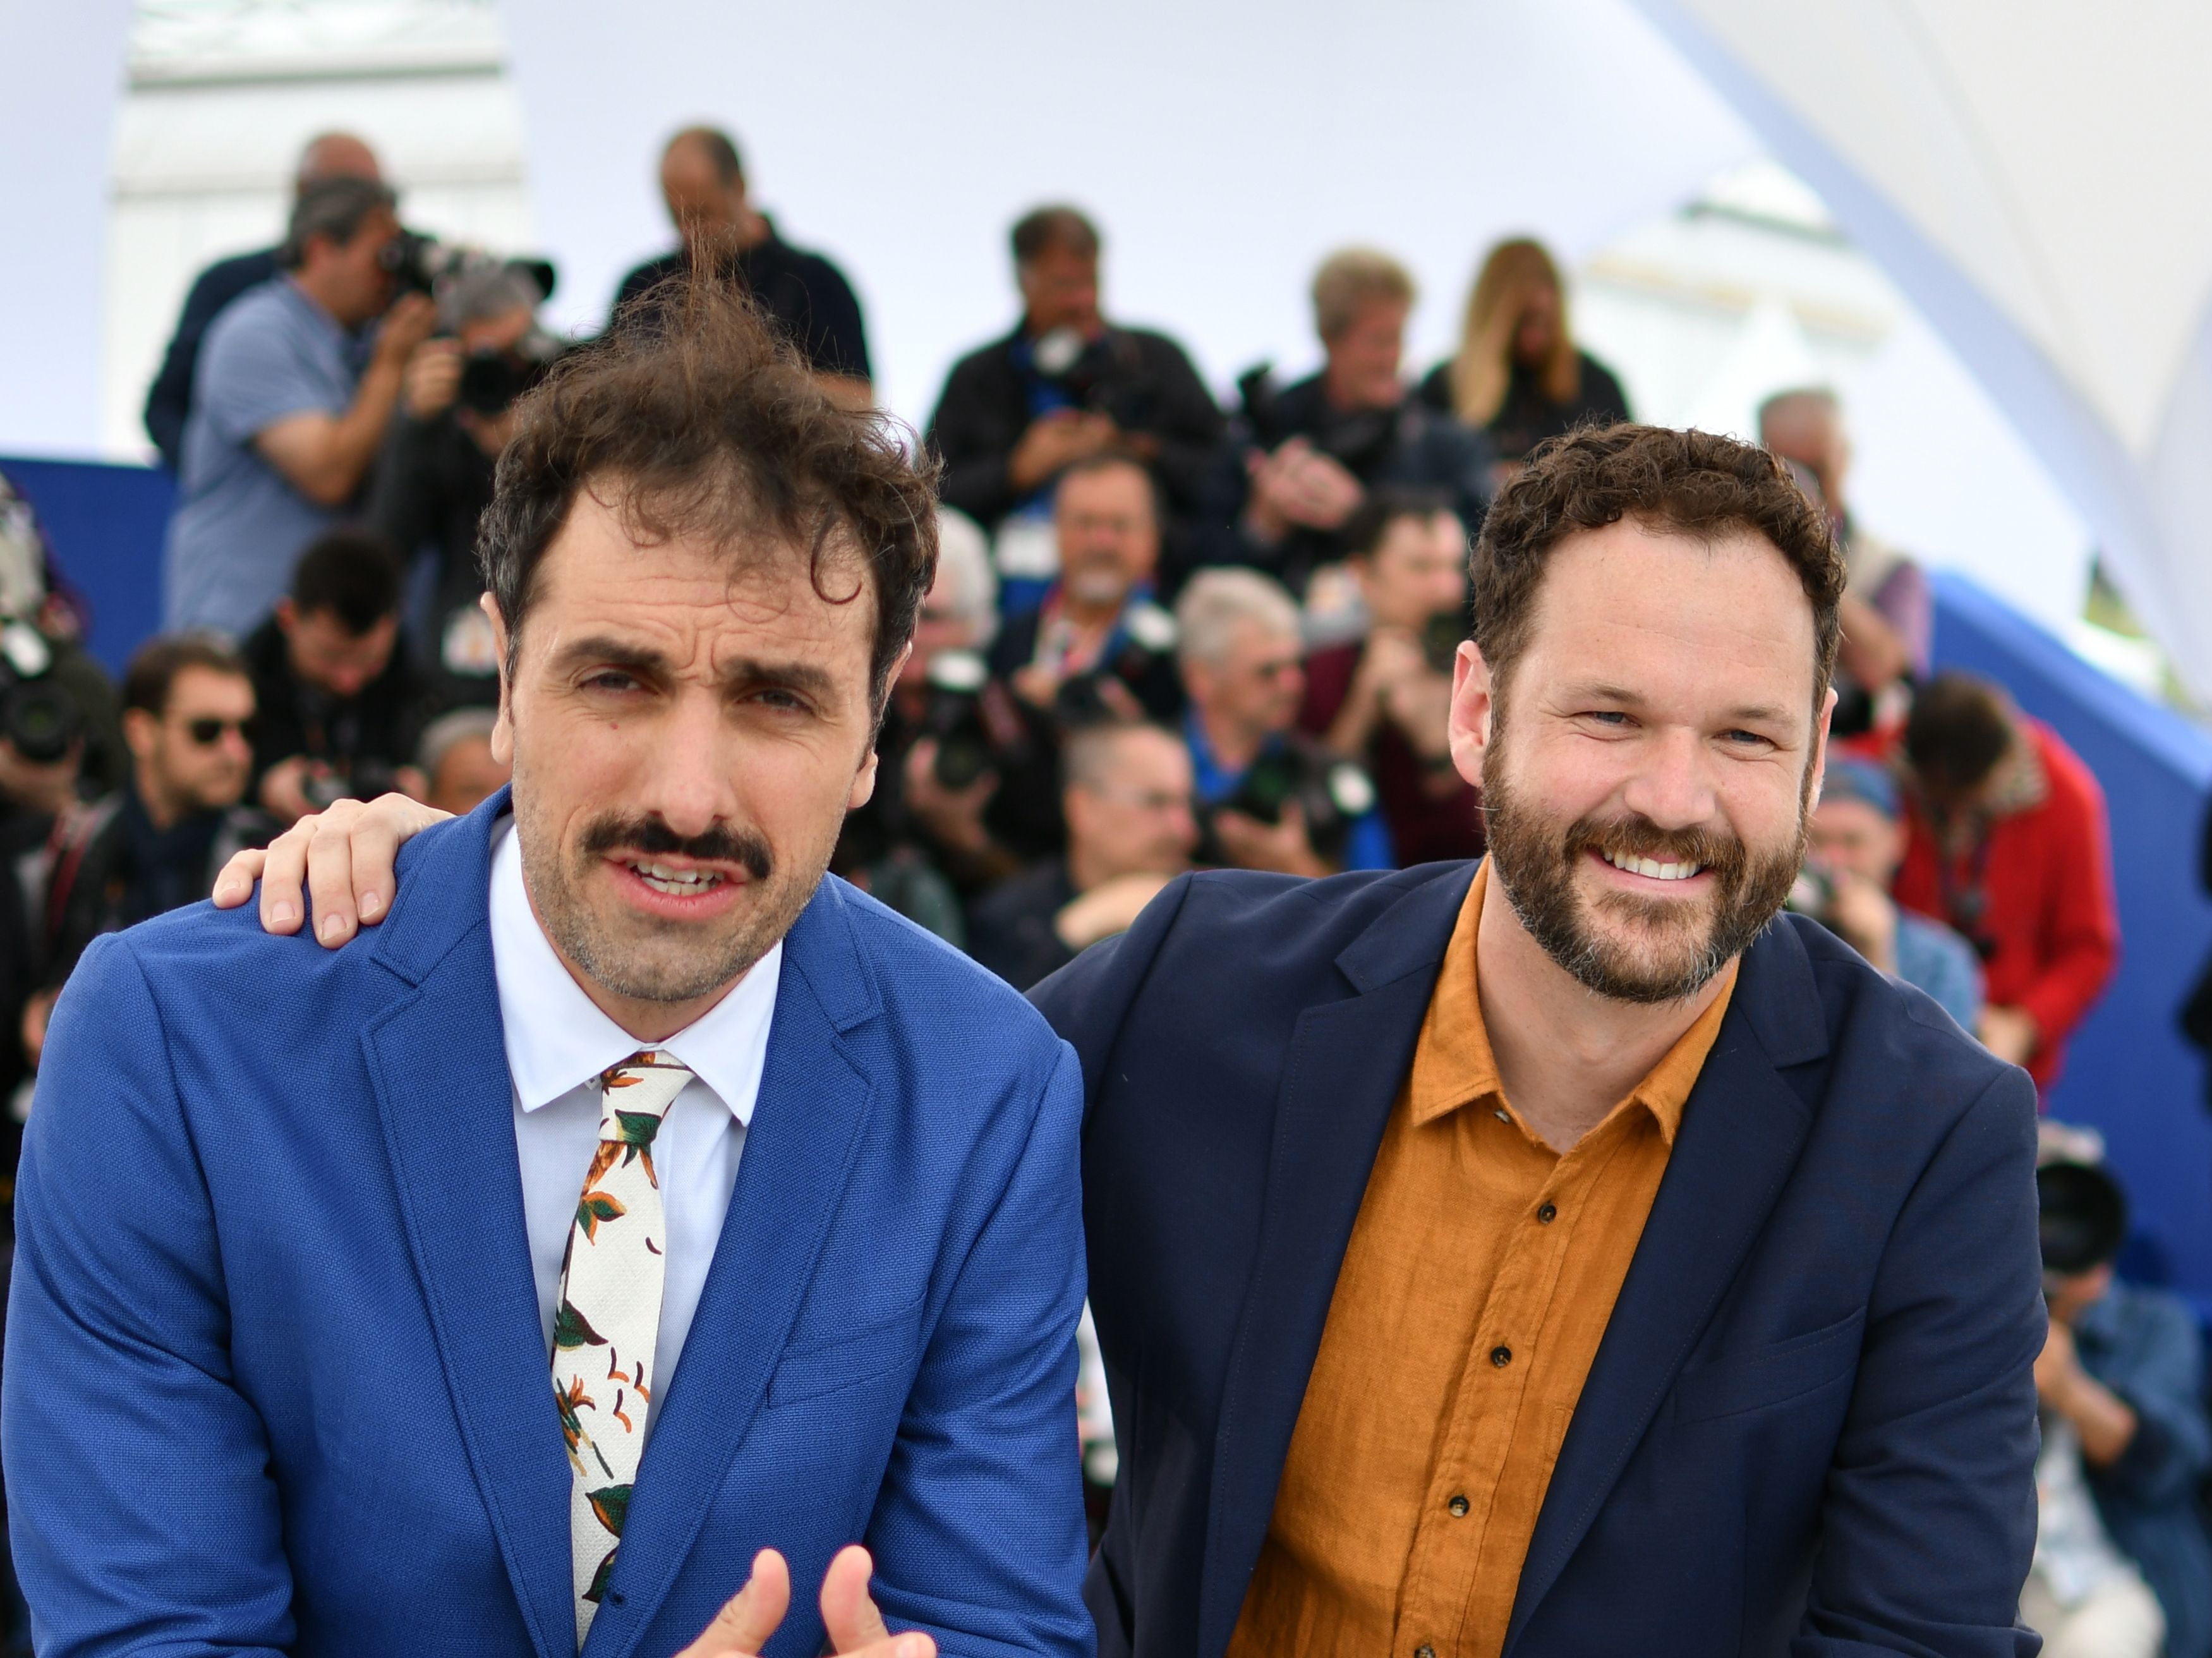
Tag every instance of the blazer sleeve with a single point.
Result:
(1929, 1522)
(984, 1492)
(140, 1505)
(1087, 1001)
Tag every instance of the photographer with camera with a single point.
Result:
(289, 407)
(1385, 700)
(2123, 1564)
(1857, 842)
(1065, 385)
(156, 843)
(1126, 800)
(338, 707)
(1271, 798)
(920, 843)
(1302, 458)
(169, 399)
(434, 477)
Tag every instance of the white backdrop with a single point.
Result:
(1225, 147)
(2034, 175)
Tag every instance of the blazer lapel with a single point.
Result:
(1741, 1132)
(806, 1128)
(1347, 1060)
(438, 1065)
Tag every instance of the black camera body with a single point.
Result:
(492, 380)
(421, 264)
(953, 716)
(368, 779)
(39, 719)
(1331, 793)
(1360, 440)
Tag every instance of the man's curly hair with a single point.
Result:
(1689, 483)
(694, 419)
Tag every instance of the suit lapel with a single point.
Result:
(1346, 1062)
(1741, 1131)
(438, 1065)
(806, 1128)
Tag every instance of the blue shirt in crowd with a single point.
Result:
(1931, 958)
(240, 526)
(1367, 846)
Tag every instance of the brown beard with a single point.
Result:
(1536, 863)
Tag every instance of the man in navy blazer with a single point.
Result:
(293, 1225)
(1809, 1427)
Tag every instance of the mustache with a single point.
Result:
(649, 836)
(1638, 836)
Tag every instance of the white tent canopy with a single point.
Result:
(2025, 173)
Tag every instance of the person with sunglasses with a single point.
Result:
(156, 843)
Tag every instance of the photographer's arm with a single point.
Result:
(325, 456)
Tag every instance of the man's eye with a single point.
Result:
(1609, 717)
(1746, 739)
(783, 702)
(609, 680)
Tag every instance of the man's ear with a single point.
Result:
(502, 730)
(1820, 767)
(1473, 708)
(140, 731)
(287, 616)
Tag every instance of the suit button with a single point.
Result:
(1424, 1652)
(1548, 1214)
(1458, 1507)
(1501, 1356)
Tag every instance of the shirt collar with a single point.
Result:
(557, 1036)
(1454, 1064)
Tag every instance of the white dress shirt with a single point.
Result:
(558, 1041)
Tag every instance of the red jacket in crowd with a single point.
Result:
(2034, 897)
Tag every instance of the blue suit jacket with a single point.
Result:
(276, 1376)
(1810, 1427)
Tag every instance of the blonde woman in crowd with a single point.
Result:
(1518, 374)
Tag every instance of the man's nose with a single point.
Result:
(1672, 786)
(683, 773)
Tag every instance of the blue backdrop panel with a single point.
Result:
(2127, 1071)
(106, 525)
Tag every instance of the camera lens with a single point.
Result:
(40, 721)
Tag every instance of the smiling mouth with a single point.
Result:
(676, 882)
(1651, 868)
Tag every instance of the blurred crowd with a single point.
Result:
(1163, 633)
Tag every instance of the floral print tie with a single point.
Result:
(609, 1317)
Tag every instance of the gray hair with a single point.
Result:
(336, 207)
(963, 570)
(484, 292)
(1217, 603)
(443, 735)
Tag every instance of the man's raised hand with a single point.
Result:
(856, 1629)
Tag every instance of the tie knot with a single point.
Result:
(637, 1093)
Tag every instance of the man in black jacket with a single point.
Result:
(1301, 458)
(804, 296)
(339, 708)
(1066, 385)
(169, 400)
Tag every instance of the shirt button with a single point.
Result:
(1458, 1507)
(1548, 1214)
(1424, 1652)
(1501, 1356)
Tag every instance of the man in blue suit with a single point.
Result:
(1567, 1256)
(786, 1190)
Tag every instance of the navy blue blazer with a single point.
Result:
(276, 1376)
(1810, 1427)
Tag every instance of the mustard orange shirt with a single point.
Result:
(1479, 1281)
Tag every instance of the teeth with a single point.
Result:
(662, 879)
(1651, 868)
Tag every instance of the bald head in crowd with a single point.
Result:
(336, 155)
